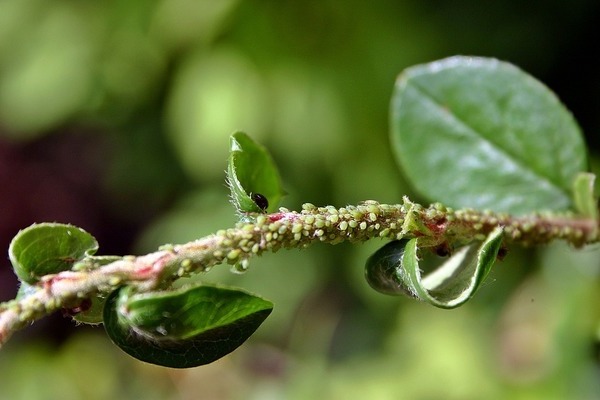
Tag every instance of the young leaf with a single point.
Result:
(253, 176)
(394, 269)
(477, 132)
(48, 248)
(586, 203)
(184, 328)
(90, 311)
(382, 272)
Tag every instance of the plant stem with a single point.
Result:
(435, 225)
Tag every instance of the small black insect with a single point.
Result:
(443, 250)
(502, 252)
(260, 200)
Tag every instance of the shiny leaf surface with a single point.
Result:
(48, 248)
(394, 269)
(481, 133)
(185, 328)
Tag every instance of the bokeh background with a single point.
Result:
(115, 116)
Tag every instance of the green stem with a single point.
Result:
(435, 226)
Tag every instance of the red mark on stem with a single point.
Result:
(152, 265)
(276, 217)
(144, 270)
(437, 226)
(49, 281)
(290, 216)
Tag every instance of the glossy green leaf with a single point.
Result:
(48, 248)
(253, 176)
(394, 269)
(478, 132)
(184, 328)
(382, 272)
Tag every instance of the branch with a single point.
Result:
(435, 225)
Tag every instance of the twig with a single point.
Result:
(434, 226)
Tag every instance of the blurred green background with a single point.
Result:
(115, 116)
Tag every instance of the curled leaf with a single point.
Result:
(48, 248)
(382, 273)
(90, 311)
(184, 328)
(252, 176)
(394, 269)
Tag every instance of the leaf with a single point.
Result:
(394, 270)
(253, 176)
(184, 328)
(48, 248)
(90, 311)
(478, 132)
(586, 203)
(382, 273)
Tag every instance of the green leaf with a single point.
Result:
(394, 270)
(382, 272)
(48, 248)
(90, 311)
(253, 176)
(184, 328)
(586, 203)
(477, 132)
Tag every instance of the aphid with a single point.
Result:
(260, 200)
